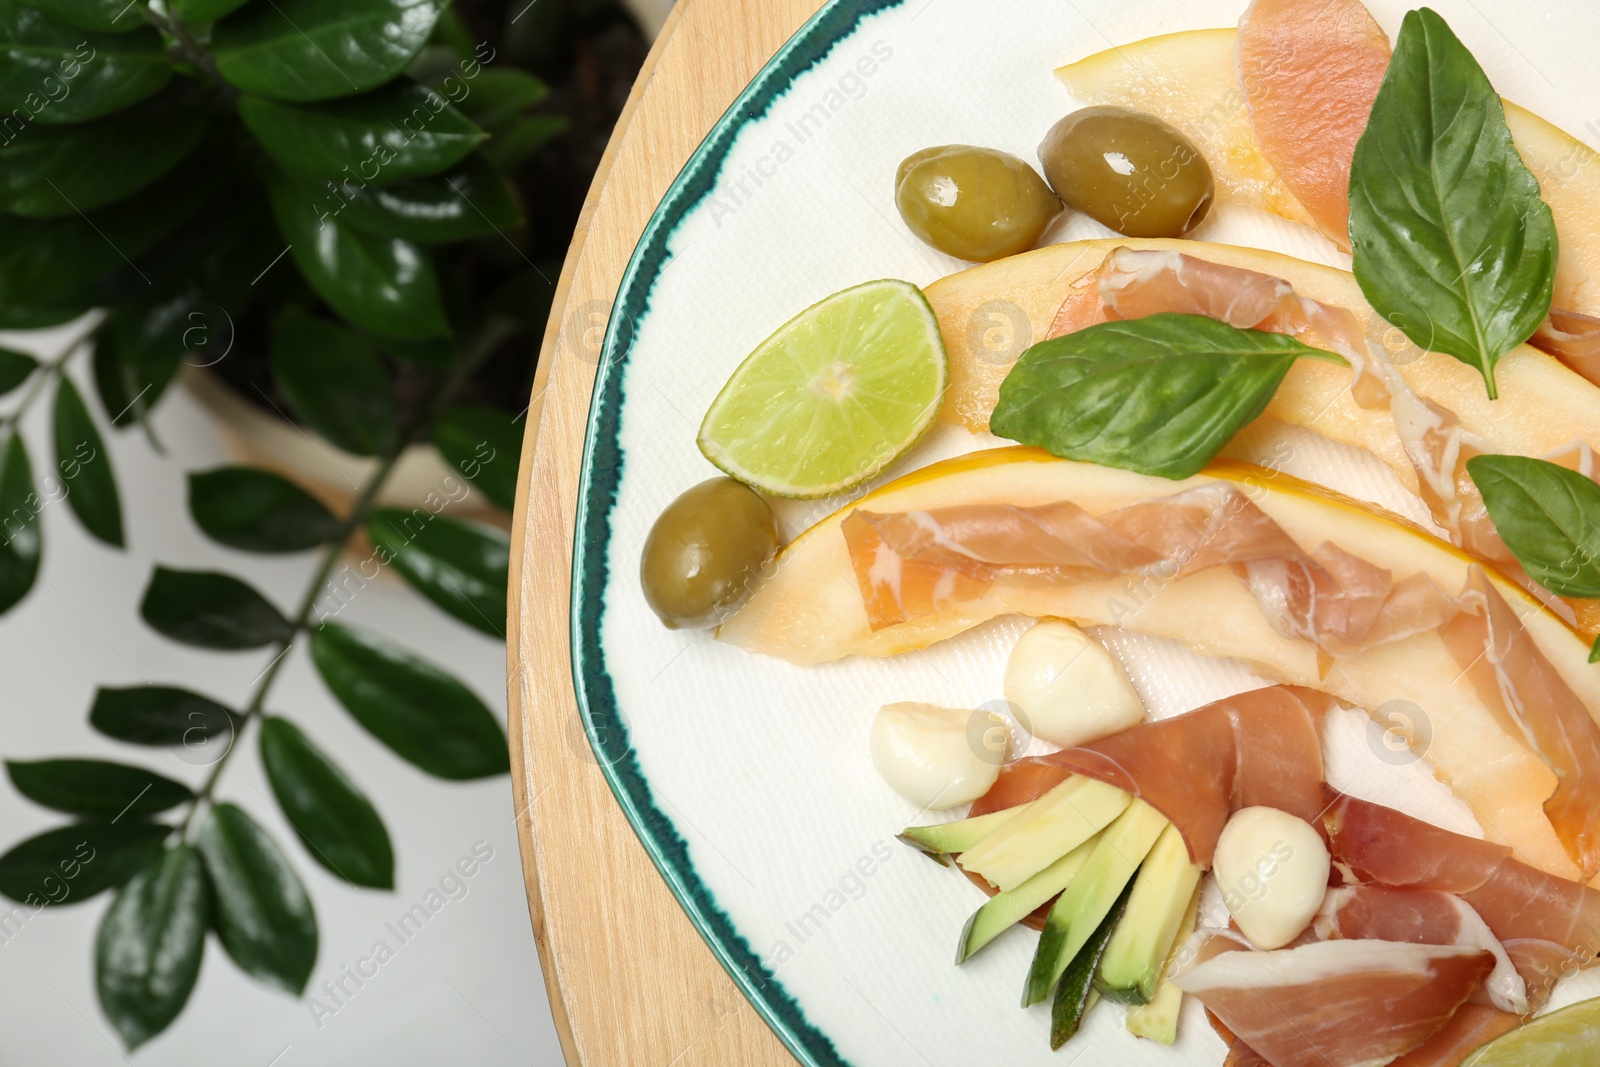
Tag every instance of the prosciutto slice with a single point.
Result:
(1348, 1003)
(1572, 338)
(1472, 1026)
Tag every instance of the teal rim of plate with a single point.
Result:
(606, 728)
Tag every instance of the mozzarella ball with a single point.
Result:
(1272, 869)
(1070, 688)
(937, 757)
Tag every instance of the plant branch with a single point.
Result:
(191, 49)
(46, 373)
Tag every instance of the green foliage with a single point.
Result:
(485, 445)
(82, 459)
(1548, 516)
(72, 863)
(258, 511)
(338, 825)
(19, 524)
(95, 787)
(65, 75)
(459, 566)
(160, 715)
(262, 917)
(209, 609)
(147, 953)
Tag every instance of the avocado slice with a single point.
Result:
(1053, 825)
(1161, 894)
(1158, 1020)
(941, 840)
(1076, 987)
(1079, 910)
(1004, 910)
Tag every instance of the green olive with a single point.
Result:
(1129, 171)
(973, 203)
(704, 554)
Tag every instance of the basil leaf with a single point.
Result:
(263, 916)
(84, 463)
(485, 445)
(423, 714)
(147, 953)
(59, 75)
(472, 200)
(96, 787)
(319, 49)
(72, 863)
(15, 368)
(109, 16)
(1594, 652)
(19, 524)
(462, 567)
(1159, 395)
(500, 95)
(334, 382)
(161, 715)
(338, 824)
(1548, 516)
(195, 11)
(402, 130)
(516, 144)
(211, 610)
(258, 511)
(1450, 240)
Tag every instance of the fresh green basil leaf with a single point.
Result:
(96, 787)
(84, 463)
(485, 445)
(107, 16)
(1548, 516)
(459, 566)
(1160, 395)
(72, 863)
(197, 11)
(517, 142)
(62, 171)
(211, 610)
(317, 49)
(384, 286)
(57, 74)
(337, 823)
(258, 511)
(334, 382)
(147, 953)
(1594, 652)
(402, 130)
(1451, 242)
(497, 96)
(472, 200)
(162, 715)
(15, 368)
(423, 714)
(19, 524)
(263, 916)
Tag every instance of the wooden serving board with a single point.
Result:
(630, 981)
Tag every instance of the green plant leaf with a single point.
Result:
(211, 610)
(95, 787)
(334, 382)
(258, 511)
(37, 318)
(319, 49)
(337, 823)
(500, 95)
(472, 200)
(423, 714)
(1159, 395)
(62, 171)
(57, 74)
(83, 461)
(197, 11)
(15, 368)
(108, 16)
(1594, 651)
(384, 286)
(1450, 240)
(1548, 516)
(263, 916)
(516, 143)
(485, 445)
(72, 863)
(19, 524)
(161, 715)
(459, 566)
(147, 953)
(435, 353)
(402, 130)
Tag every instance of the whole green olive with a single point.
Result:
(1129, 171)
(703, 556)
(973, 203)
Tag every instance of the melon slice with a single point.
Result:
(810, 611)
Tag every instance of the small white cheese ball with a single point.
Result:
(1272, 869)
(1070, 688)
(937, 757)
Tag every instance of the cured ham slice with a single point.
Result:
(1472, 1026)
(1572, 338)
(1355, 1003)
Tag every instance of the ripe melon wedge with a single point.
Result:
(810, 611)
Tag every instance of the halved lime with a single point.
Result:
(832, 398)
(1566, 1038)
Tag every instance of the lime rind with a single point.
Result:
(834, 396)
(1565, 1038)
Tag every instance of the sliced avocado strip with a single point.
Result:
(1161, 894)
(1006, 909)
(1079, 910)
(1077, 982)
(1158, 1020)
(941, 840)
(1053, 825)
